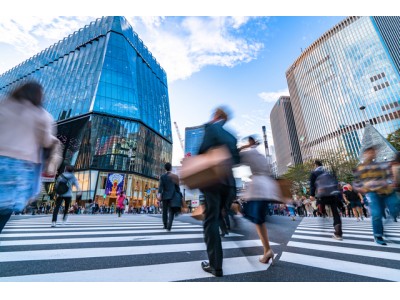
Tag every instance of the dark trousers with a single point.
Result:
(120, 211)
(215, 201)
(333, 202)
(3, 220)
(168, 214)
(59, 201)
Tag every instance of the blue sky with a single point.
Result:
(236, 61)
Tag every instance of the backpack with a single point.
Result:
(62, 185)
(327, 185)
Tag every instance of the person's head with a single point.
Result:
(122, 192)
(31, 91)
(370, 153)
(69, 168)
(397, 158)
(252, 141)
(318, 163)
(168, 167)
(221, 113)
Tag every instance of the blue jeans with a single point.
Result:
(291, 211)
(377, 205)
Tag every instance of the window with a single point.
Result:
(383, 74)
(379, 76)
(387, 83)
(375, 88)
(103, 183)
(375, 78)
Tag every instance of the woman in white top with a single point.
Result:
(260, 191)
(25, 129)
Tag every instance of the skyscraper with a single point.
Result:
(193, 139)
(286, 144)
(356, 63)
(109, 97)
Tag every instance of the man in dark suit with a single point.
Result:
(166, 192)
(220, 196)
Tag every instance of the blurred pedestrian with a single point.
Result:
(375, 180)
(355, 200)
(26, 129)
(396, 180)
(63, 189)
(261, 190)
(324, 186)
(121, 200)
(168, 186)
(220, 195)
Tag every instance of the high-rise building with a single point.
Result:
(286, 144)
(109, 97)
(356, 63)
(193, 139)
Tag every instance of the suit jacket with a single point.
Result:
(167, 185)
(313, 177)
(216, 135)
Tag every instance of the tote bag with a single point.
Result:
(207, 169)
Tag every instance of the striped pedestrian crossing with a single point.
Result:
(312, 245)
(132, 248)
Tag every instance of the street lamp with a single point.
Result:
(362, 108)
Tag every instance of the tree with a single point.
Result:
(394, 139)
(338, 163)
(299, 176)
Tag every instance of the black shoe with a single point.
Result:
(379, 240)
(207, 268)
(168, 229)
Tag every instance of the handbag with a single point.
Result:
(176, 200)
(207, 169)
(285, 186)
(198, 213)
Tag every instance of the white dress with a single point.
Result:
(262, 185)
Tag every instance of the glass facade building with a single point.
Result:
(356, 63)
(193, 139)
(109, 97)
(287, 149)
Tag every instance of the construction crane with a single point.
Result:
(179, 136)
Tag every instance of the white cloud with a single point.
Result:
(182, 45)
(191, 43)
(27, 33)
(273, 96)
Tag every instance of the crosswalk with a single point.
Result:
(104, 248)
(311, 245)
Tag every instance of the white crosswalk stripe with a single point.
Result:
(101, 238)
(312, 245)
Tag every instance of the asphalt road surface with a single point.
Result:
(135, 248)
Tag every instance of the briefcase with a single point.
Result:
(285, 188)
(207, 169)
(198, 213)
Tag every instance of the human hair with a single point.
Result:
(318, 163)
(252, 140)
(370, 148)
(397, 157)
(69, 168)
(168, 166)
(31, 91)
(223, 112)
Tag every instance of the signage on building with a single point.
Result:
(48, 178)
(195, 203)
(115, 184)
